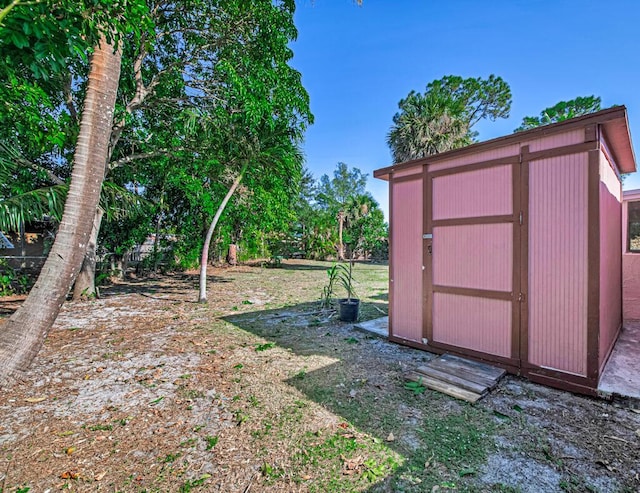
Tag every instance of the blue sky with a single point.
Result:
(358, 62)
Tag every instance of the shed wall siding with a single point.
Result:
(557, 335)
(406, 259)
(467, 256)
(480, 324)
(558, 140)
(610, 258)
(483, 192)
(630, 266)
(414, 170)
(510, 150)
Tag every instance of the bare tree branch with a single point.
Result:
(68, 99)
(142, 155)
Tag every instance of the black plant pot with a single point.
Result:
(349, 309)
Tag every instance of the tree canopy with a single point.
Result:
(442, 118)
(562, 111)
(338, 217)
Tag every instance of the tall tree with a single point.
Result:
(365, 226)
(269, 154)
(443, 117)
(562, 111)
(334, 194)
(24, 333)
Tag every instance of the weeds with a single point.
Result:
(415, 387)
(211, 442)
(265, 347)
(101, 427)
(194, 483)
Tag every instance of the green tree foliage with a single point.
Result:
(334, 193)
(214, 61)
(562, 111)
(321, 206)
(46, 48)
(443, 117)
(206, 67)
(365, 230)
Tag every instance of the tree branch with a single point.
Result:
(68, 99)
(138, 98)
(142, 155)
(15, 155)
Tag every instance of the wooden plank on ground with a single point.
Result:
(483, 368)
(452, 379)
(445, 388)
(462, 372)
(468, 372)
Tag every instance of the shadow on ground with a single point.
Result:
(168, 287)
(381, 297)
(364, 385)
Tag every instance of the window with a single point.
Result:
(633, 227)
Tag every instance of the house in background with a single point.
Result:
(27, 249)
(631, 255)
(509, 250)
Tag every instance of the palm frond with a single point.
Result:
(11, 161)
(32, 206)
(119, 202)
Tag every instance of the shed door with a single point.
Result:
(471, 258)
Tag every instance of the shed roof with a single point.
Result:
(631, 194)
(614, 123)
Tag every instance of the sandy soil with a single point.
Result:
(144, 390)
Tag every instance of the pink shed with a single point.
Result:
(508, 250)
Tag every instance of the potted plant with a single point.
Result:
(350, 305)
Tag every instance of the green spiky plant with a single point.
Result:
(345, 278)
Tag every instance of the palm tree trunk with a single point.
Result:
(24, 333)
(204, 259)
(85, 286)
(340, 243)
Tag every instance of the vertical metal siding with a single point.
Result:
(474, 256)
(479, 157)
(406, 258)
(557, 334)
(483, 192)
(480, 324)
(408, 172)
(558, 140)
(610, 258)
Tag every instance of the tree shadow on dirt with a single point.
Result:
(321, 264)
(289, 266)
(165, 285)
(381, 296)
(364, 385)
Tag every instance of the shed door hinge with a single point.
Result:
(521, 218)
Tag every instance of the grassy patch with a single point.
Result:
(458, 440)
(344, 462)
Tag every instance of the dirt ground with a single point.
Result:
(144, 390)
